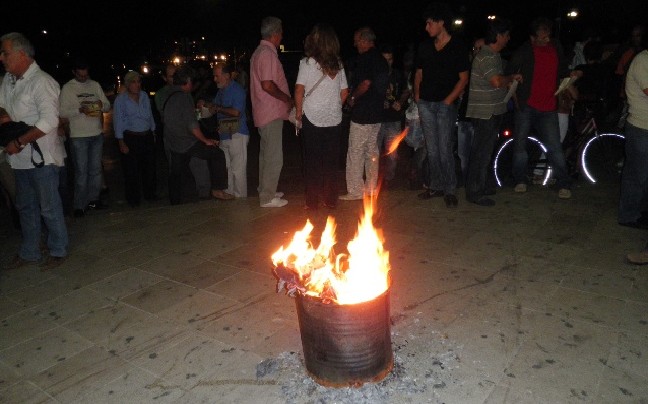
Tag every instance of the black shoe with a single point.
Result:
(451, 201)
(431, 194)
(97, 205)
(483, 201)
(635, 225)
(79, 213)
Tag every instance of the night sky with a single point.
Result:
(132, 31)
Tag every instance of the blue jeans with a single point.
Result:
(634, 180)
(386, 135)
(86, 154)
(548, 132)
(465, 134)
(438, 120)
(37, 195)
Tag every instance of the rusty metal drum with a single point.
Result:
(346, 345)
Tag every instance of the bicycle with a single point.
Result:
(597, 156)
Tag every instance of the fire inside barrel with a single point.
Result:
(342, 302)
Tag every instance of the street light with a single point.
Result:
(572, 13)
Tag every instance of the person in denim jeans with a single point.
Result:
(633, 202)
(541, 62)
(440, 78)
(32, 96)
(83, 103)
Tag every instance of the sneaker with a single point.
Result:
(17, 262)
(279, 194)
(97, 205)
(450, 201)
(275, 203)
(483, 201)
(79, 213)
(349, 197)
(564, 193)
(431, 194)
(639, 258)
(520, 188)
(51, 263)
(222, 195)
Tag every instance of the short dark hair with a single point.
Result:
(539, 24)
(226, 67)
(437, 11)
(496, 27)
(79, 63)
(183, 75)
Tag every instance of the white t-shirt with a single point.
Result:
(636, 83)
(323, 106)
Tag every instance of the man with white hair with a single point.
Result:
(271, 102)
(32, 96)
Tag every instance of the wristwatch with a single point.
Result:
(20, 145)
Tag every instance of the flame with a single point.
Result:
(360, 276)
(393, 145)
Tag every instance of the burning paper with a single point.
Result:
(359, 276)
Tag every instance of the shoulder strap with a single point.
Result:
(316, 84)
(168, 98)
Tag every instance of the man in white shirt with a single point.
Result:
(83, 103)
(32, 96)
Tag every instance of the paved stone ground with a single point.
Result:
(527, 302)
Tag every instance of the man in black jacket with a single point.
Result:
(542, 64)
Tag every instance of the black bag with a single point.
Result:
(10, 131)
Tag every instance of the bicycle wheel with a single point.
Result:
(601, 158)
(503, 162)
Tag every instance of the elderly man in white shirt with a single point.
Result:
(32, 96)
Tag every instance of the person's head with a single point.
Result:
(593, 51)
(322, 44)
(184, 77)
(168, 73)
(438, 19)
(498, 33)
(364, 39)
(80, 70)
(133, 82)
(477, 45)
(223, 73)
(387, 50)
(540, 31)
(272, 30)
(638, 32)
(16, 54)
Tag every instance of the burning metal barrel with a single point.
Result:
(345, 345)
(342, 302)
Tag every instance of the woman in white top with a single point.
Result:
(320, 92)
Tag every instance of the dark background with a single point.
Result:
(117, 35)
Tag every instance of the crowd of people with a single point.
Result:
(443, 83)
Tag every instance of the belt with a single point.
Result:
(131, 133)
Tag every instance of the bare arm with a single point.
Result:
(199, 135)
(418, 76)
(17, 145)
(458, 88)
(299, 101)
(271, 88)
(359, 91)
(499, 81)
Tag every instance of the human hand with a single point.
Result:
(517, 77)
(396, 106)
(123, 149)
(211, 142)
(12, 148)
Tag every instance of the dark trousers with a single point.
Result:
(321, 147)
(481, 151)
(179, 169)
(139, 167)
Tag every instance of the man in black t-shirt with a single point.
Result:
(369, 86)
(441, 75)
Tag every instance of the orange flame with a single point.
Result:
(393, 145)
(357, 277)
